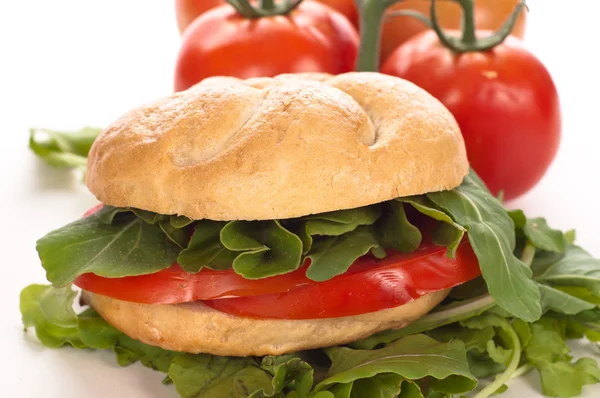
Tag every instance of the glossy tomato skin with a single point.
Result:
(368, 286)
(313, 38)
(188, 10)
(489, 14)
(504, 100)
(345, 7)
(173, 285)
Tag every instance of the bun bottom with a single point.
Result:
(196, 328)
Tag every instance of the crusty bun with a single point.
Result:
(275, 148)
(195, 328)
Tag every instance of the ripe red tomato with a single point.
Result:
(221, 42)
(188, 10)
(345, 7)
(368, 286)
(504, 100)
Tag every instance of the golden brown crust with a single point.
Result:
(282, 147)
(195, 328)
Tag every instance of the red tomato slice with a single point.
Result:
(369, 286)
(174, 285)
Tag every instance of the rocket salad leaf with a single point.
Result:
(492, 236)
(63, 149)
(127, 246)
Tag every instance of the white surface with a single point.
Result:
(65, 64)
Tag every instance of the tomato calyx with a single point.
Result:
(266, 8)
(469, 41)
(371, 13)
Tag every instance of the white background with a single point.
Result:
(66, 64)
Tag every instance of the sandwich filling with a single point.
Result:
(517, 285)
(327, 265)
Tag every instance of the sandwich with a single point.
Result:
(266, 229)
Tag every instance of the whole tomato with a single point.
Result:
(188, 10)
(489, 15)
(504, 100)
(221, 42)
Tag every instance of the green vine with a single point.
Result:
(371, 14)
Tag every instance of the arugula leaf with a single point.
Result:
(205, 249)
(267, 249)
(129, 351)
(523, 330)
(63, 149)
(50, 311)
(473, 339)
(395, 231)
(209, 376)
(549, 353)
(576, 268)
(148, 216)
(547, 343)
(538, 232)
(179, 236)
(492, 236)
(413, 357)
(448, 233)
(559, 301)
(94, 332)
(482, 366)
(289, 370)
(543, 237)
(383, 385)
(508, 356)
(334, 223)
(338, 391)
(180, 221)
(331, 256)
(562, 379)
(107, 213)
(339, 222)
(128, 246)
(359, 216)
(519, 218)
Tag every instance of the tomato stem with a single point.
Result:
(267, 4)
(469, 41)
(468, 22)
(370, 16)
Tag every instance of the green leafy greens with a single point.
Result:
(63, 149)
(538, 289)
(118, 242)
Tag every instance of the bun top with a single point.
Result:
(276, 148)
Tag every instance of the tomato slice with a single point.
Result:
(174, 285)
(369, 286)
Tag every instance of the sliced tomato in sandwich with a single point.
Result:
(369, 285)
